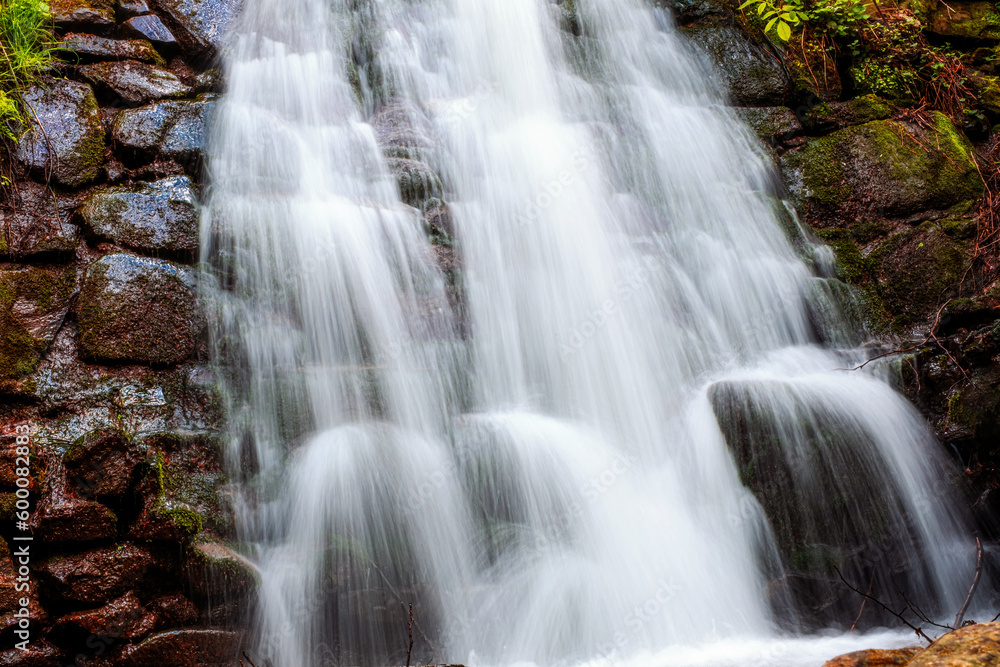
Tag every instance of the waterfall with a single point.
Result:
(517, 331)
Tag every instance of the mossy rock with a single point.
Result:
(830, 116)
(918, 270)
(750, 71)
(874, 76)
(214, 572)
(813, 73)
(987, 92)
(882, 169)
(33, 303)
(65, 136)
(139, 309)
(967, 20)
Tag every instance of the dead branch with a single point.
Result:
(920, 633)
(410, 648)
(975, 583)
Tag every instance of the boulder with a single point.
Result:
(150, 27)
(173, 610)
(40, 653)
(83, 14)
(101, 464)
(827, 117)
(214, 572)
(975, 645)
(92, 47)
(750, 72)
(65, 137)
(32, 222)
(72, 520)
(33, 304)
(138, 309)
(130, 8)
(184, 648)
(402, 131)
(102, 574)
(168, 130)
(882, 168)
(876, 658)
(124, 618)
(200, 25)
(776, 126)
(134, 82)
(968, 20)
(153, 217)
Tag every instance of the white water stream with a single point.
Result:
(543, 472)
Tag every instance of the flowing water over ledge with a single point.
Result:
(618, 422)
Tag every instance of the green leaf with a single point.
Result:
(769, 24)
(761, 7)
(784, 32)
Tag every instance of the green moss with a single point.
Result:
(20, 351)
(852, 267)
(872, 77)
(188, 522)
(822, 171)
(7, 506)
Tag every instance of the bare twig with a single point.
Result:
(975, 583)
(247, 658)
(410, 627)
(897, 614)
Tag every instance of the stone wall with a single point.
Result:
(103, 352)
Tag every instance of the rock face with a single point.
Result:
(150, 27)
(134, 82)
(185, 648)
(201, 25)
(968, 20)
(88, 14)
(138, 309)
(34, 222)
(976, 645)
(753, 75)
(33, 304)
(66, 137)
(882, 168)
(100, 48)
(156, 217)
(103, 574)
(876, 658)
(171, 130)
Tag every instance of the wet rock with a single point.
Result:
(201, 25)
(73, 520)
(138, 309)
(10, 596)
(100, 464)
(882, 168)
(124, 618)
(876, 658)
(416, 180)
(92, 47)
(751, 74)
(826, 117)
(402, 131)
(134, 82)
(40, 653)
(32, 223)
(213, 571)
(184, 648)
(155, 217)
(33, 304)
(103, 574)
(972, 646)
(129, 8)
(776, 126)
(77, 14)
(169, 130)
(150, 27)
(968, 20)
(173, 610)
(66, 137)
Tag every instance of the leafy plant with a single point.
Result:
(27, 48)
(837, 18)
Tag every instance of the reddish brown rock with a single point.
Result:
(10, 596)
(213, 571)
(876, 658)
(972, 646)
(73, 520)
(102, 574)
(101, 464)
(184, 648)
(124, 618)
(173, 611)
(39, 654)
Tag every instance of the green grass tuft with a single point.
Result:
(27, 48)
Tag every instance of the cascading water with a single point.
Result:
(622, 420)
